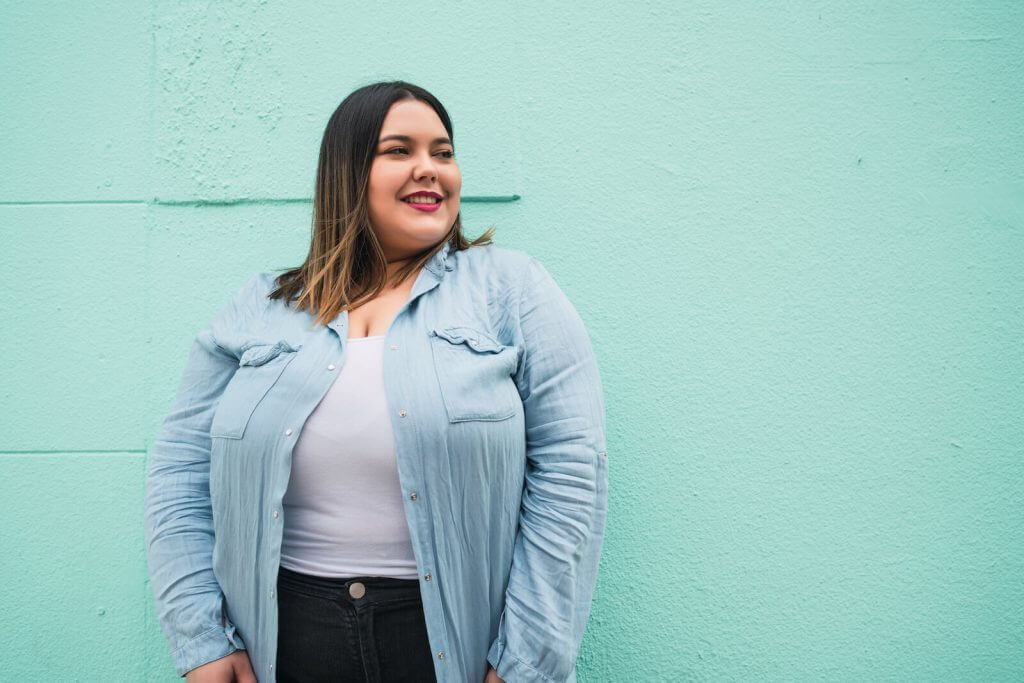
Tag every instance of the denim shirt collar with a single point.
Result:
(438, 264)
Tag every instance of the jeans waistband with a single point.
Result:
(330, 587)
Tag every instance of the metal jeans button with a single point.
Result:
(356, 590)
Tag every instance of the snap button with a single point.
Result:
(356, 590)
(412, 496)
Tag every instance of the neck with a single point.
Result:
(394, 266)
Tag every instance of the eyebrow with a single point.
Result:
(406, 138)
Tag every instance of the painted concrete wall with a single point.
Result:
(794, 230)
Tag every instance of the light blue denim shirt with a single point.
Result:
(499, 429)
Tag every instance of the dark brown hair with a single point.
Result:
(345, 266)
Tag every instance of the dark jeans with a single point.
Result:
(360, 630)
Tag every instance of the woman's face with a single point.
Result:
(420, 159)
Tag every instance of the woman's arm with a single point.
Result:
(564, 504)
(178, 520)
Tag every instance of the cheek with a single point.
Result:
(454, 180)
(382, 186)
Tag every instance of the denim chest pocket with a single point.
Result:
(475, 373)
(259, 368)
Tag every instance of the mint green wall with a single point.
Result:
(795, 233)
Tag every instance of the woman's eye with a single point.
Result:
(448, 154)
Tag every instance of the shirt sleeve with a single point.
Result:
(179, 530)
(565, 497)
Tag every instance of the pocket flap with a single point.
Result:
(475, 339)
(259, 354)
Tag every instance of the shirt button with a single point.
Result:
(288, 432)
(412, 496)
(271, 667)
(331, 366)
(426, 577)
(440, 655)
(401, 413)
(275, 513)
(271, 593)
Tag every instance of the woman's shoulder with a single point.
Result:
(250, 298)
(514, 268)
(490, 260)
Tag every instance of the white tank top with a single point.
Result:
(343, 509)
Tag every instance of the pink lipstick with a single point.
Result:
(424, 207)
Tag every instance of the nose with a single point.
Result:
(425, 169)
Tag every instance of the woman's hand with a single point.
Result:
(235, 668)
(492, 675)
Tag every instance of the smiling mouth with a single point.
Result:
(430, 208)
(429, 202)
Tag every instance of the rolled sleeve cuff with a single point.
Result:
(513, 670)
(208, 646)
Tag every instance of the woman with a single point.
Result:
(388, 463)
